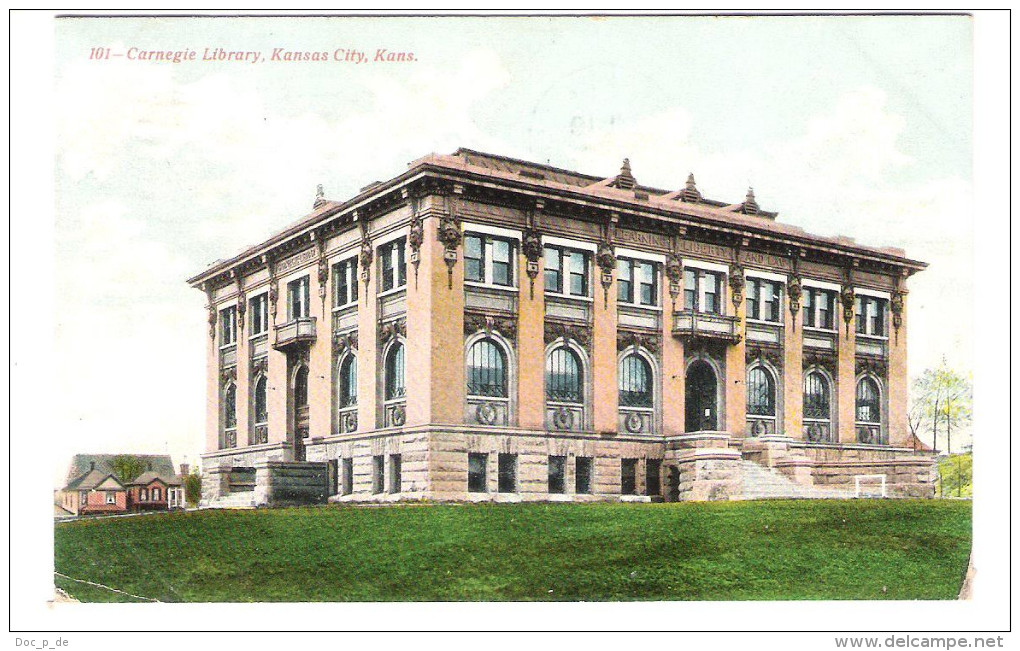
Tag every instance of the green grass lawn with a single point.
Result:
(893, 549)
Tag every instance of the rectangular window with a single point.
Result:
(703, 291)
(566, 271)
(297, 299)
(258, 309)
(392, 265)
(628, 476)
(395, 480)
(348, 476)
(477, 467)
(474, 258)
(228, 325)
(143, 495)
(710, 290)
(507, 472)
(157, 494)
(818, 307)
(690, 290)
(378, 473)
(553, 271)
(809, 308)
(557, 467)
(111, 497)
(345, 282)
(763, 299)
(637, 282)
(653, 468)
(488, 259)
(582, 475)
(871, 314)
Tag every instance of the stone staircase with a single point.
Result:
(238, 500)
(761, 483)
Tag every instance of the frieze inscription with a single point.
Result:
(703, 249)
(652, 240)
(767, 260)
(295, 261)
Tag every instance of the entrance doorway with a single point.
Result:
(700, 398)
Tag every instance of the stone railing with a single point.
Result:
(228, 356)
(687, 323)
(564, 416)
(761, 425)
(300, 330)
(348, 419)
(870, 433)
(230, 438)
(259, 346)
(817, 431)
(395, 413)
(259, 434)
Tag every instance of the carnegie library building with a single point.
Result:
(480, 328)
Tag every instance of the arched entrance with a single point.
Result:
(700, 398)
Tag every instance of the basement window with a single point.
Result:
(582, 475)
(507, 472)
(477, 463)
(653, 468)
(395, 480)
(628, 476)
(378, 466)
(557, 466)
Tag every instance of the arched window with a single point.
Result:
(395, 372)
(635, 382)
(816, 396)
(486, 369)
(563, 379)
(230, 406)
(348, 382)
(761, 392)
(868, 407)
(261, 403)
(301, 387)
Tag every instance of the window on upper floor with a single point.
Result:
(635, 382)
(261, 406)
(392, 265)
(637, 282)
(871, 312)
(345, 282)
(486, 369)
(230, 406)
(816, 397)
(761, 392)
(702, 290)
(563, 379)
(764, 299)
(395, 372)
(258, 310)
(868, 407)
(347, 395)
(566, 271)
(228, 326)
(489, 260)
(819, 306)
(297, 299)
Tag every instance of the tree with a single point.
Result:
(127, 467)
(941, 397)
(193, 488)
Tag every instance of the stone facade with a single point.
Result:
(483, 328)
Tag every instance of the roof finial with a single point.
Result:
(750, 206)
(320, 195)
(625, 179)
(690, 193)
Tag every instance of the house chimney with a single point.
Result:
(184, 470)
(92, 466)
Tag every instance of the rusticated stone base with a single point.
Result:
(290, 483)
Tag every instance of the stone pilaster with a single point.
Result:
(320, 377)
(605, 390)
(531, 347)
(243, 381)
(672, 375)
(793, 370)
(735, 388)
(212, 387)
(846, 381)
(369, 357)
(898, 380)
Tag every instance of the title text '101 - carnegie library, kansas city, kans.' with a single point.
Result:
(485, 328)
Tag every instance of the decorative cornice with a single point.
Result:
(824, 360)
(630, 339)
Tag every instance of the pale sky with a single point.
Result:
(858, 126)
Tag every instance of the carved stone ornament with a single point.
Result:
(871, 365)
(398, 416)
(847, 298)
(390, 329)
(531, 247)
(795, 292)
(771, 355)
(273, 294)
(320, 196)
(563, 418)
(259, 365)
(344, 342)
(449, 235)
(351, 421)
(212, 321)
(242, 308)
(896, 307)
(737, 285)
(416, 234)
(828, 362)
(365, 257)
(626, 339)
(675, 273)
(486, 413)
(228, 374)
(606, 261)
(581, 334)
(633, 422)
(506, 327)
